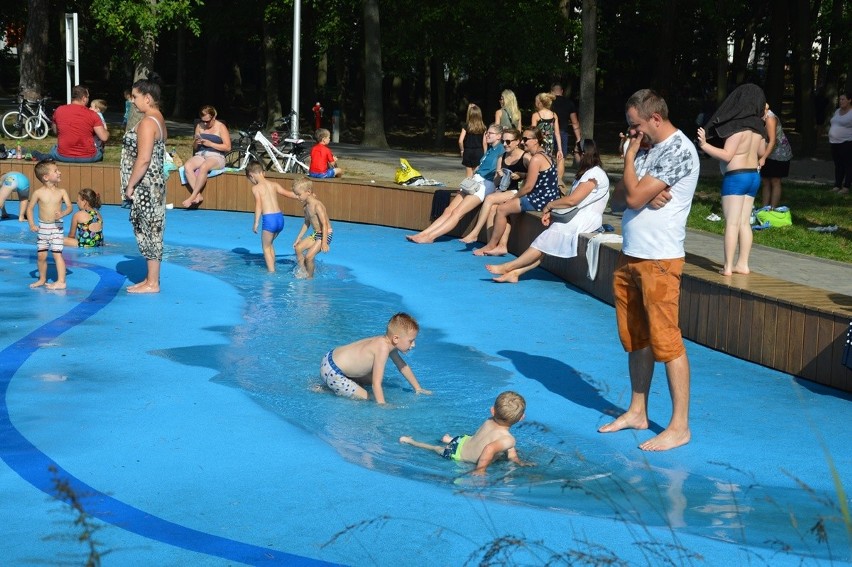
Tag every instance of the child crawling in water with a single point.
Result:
(490, 440)
(348, 368)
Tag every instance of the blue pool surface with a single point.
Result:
(193, 427)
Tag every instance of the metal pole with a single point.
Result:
(297, 41)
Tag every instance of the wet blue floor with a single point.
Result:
(193, 427)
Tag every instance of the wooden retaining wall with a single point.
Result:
(790, 327)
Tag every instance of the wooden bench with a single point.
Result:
(790, 327)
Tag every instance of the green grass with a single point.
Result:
(810, 205)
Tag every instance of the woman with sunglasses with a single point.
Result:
(540, 187)
(590, 192)
(511, 169)
(212, 142)
(463, 203)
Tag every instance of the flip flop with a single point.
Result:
(713, 217)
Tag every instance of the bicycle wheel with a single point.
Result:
(37, 127)
(233, 158)
(13, 125)
(302, 165)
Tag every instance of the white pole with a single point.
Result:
(72, 54)
(297, 34)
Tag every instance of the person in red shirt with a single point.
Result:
(323, 162)
(78, 128)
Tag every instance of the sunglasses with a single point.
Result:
(508, 141)
(528, 139)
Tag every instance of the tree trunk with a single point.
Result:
(665, 51)
(721, 53)
(779, 22)
(588, 70)
(33, 50)
(440, 103)
(144, 66)
(374, 126)
(804, 71)
(270, 68)
(180, 74)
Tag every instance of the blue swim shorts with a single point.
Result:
(272, 222)
(328, 173)
(741, 182)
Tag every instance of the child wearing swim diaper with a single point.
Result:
(490, 440)
(349, 368)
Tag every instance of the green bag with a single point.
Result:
(775, 218)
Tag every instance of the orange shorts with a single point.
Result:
(647, 298)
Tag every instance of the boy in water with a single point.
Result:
(53, 204)
(490, 440)
(323, 162)
(346, 369)
(316, 218)
(267, 212)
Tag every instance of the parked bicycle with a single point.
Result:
(31, 119)
(282, 153)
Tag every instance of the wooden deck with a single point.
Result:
(790, 327)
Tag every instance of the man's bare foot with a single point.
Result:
(147, 288)
(666, 440)
(482, 251)
(56, 285)
(496, 269)
(39, 283)
(508, 277)
(738, 270)
(624, 421)
(499, 251)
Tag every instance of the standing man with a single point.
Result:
(566, 112)
(77, 128)
(646, 283)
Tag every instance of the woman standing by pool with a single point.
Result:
(509, 115)
(840, 138)
(142, 179)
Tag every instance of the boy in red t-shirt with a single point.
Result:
(323, 162)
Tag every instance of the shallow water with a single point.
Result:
(288, 324)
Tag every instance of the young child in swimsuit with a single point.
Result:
(87, 224)
(53, 204)
(316, 217)
(348, 368)
(267, 212)
(490, 440)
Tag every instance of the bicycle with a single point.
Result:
(29, 120)
(254, 146)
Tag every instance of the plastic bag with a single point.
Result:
(405, 174)
(775, 217)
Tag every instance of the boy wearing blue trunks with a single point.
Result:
(348, 368)
(316, 218)
(267, 212)
(490, 440)
(323, 162)
(53, 204)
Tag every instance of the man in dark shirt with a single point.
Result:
(566, 112)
